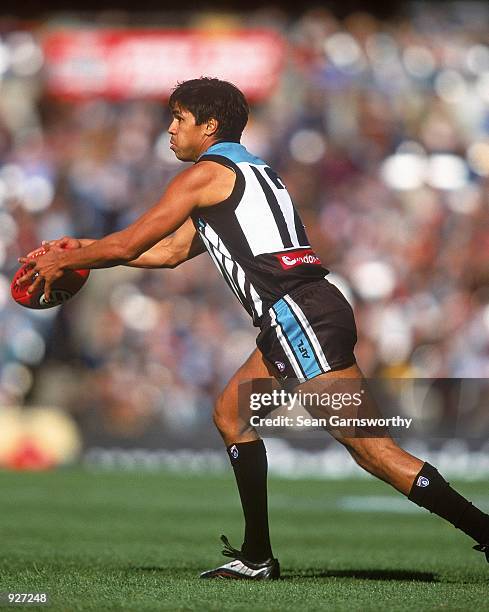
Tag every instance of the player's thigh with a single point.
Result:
(228, 405)
(372, 442)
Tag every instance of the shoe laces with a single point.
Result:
(230, 551)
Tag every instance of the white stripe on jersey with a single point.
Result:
(285, 203)
(285, 345)
(311, 336)
(229, 265)
(257, 305)
(256, 299)
(255, 217)
(214, 239)
(241, 279)
(226, 265)
(218, 259)
(293, 248)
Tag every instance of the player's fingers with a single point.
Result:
(25, 279)
(47, 291)
(29, 275)
(28, 261)
(48, 283)
(35, 284)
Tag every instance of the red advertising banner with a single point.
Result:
(149, 63)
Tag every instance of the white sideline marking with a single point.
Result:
(392, 505)
(377, 503)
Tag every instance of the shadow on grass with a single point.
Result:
(365, 574)
(173, 572)
(362, 574)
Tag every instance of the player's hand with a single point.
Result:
(67, 242)
(42, 269)
(39, 250)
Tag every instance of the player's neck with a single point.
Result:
(215, 142)
(206, 144)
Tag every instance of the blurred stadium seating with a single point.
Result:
(380, 129)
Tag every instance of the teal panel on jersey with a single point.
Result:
(235, 152)
(297, 339)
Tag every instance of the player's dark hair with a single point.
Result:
(208, 98)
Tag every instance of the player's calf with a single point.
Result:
(431, 491)
(422, 484)
(383, 458)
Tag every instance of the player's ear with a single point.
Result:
(212, 126)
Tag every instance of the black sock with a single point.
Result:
(434, 493)
(249, 461)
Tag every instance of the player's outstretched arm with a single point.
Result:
(182, 245)
(170, 252)
(193, 188)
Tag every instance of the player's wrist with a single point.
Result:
(65, 259)
(84, 242)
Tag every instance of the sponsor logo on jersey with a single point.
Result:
(423, 481)
(291, 259)
(233, 451)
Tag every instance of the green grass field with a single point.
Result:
(127, 541)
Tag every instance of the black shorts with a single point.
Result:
(309, 332)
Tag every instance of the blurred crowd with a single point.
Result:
(379, 129)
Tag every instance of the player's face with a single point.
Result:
(187, 139)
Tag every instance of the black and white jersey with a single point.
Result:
(255, 237)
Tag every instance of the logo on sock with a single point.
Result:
(423, 481)
(233, 451)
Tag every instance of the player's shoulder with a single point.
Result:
(200, 175)
(207, 183)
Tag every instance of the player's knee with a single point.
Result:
(367, 461)
(218, 418)
(221, 418)
(372, 454)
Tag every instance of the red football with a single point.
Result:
(61, 290)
